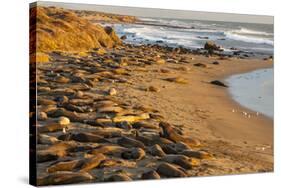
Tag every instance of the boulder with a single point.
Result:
(211, 46)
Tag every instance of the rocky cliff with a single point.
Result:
(57, 29)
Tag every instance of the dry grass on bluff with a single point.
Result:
(57, 29)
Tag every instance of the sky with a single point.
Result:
(164, 13)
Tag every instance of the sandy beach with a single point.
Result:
(127, 112)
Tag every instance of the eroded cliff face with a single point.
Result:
(57, 29)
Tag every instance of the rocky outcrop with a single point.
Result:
(211, 46)
(58, 29)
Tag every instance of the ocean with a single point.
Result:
(247, 37)
(254, 90)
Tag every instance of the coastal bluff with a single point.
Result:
(57, 29)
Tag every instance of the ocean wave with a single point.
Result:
(251, 32)
(248, 39)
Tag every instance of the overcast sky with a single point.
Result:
(164, 13)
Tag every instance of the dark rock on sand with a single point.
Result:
(211, 46)
(218, 83)
(215, 63)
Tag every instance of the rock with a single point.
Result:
(109, 30)
(134, 153)
(179, 80)
(218, 83)
(180, 160)
(59, 178)
(42, 116)
(211, 46)
(64, 166)
(196, 154)
(63, 121)
(169, 170)
(159, 41)
(112, 91)
(168, 132)
(93, 162)
(215, 63)
(202, 37)
(119, 177)
(130, 142)
(156, 150)
(123, 37)
(200, 65)
(150, 175)
(153, 89)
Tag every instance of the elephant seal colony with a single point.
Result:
(134, 112)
